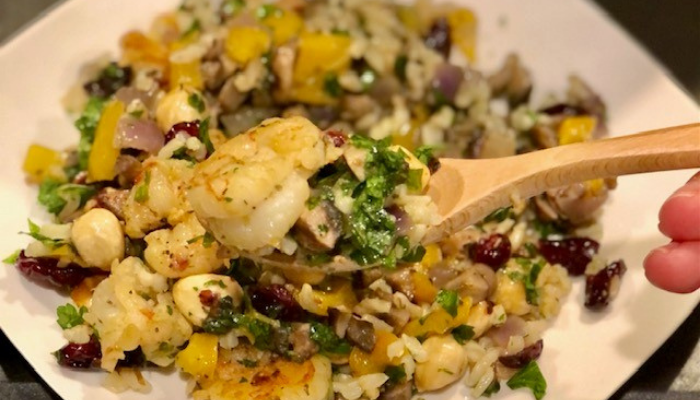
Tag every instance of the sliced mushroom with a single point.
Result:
(513, 81)
(361, 334)
(401, 391)
(113, 200)
(212, 74)
(477, 281)
(230, 97)
(318, 229)
(401, 281)
(576, 204)
(302, 344)
(356, 106)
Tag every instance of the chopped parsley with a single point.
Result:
(196, 102)
(400, 67)
(529, 377)
(331, 85)
(529, 278)
(196, 26)
(327, 341)
(54, 194)
(141, 194)
(69, 316)
(267, 10)
(499, 215)
(35, 232)
(226, 318)
(86, 124)
(12, 258)
(204, 136)
(396, 374)
(248, 363)
(207, 240)
(449, 300)
(231, 7)
(493, 388)
(215, 282)
(463, 333)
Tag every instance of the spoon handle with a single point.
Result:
(468, 190)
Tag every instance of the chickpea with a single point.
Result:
(446, 363)
(190, 300)
(99, 238)
(175, 107)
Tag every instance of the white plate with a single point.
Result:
(587, 355)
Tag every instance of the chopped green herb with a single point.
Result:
(196, 26)
(267, 10)
(547, 228)
(169, 309)
(54, 194)
(499, 215)
(493, 388)
(327, 341)
(529, 278)
(86, 124)
(208, 240)
(35, 232)
(367, 78)
(529, 377)
(204, 135)
(231, 7)
(400, 67)
(396, 374)
(144, 295)
(531, 249)
(248, 363)
(323, 228)
(196, 102)
(340, 32)
(445, 370)
(449, 300)
(12, 258)
(410, 254)
(331, 85)
(226, 318)
(244, 271)
(217, 282)
(314, 259)
(69, 316)
(136, 113)
(463, 333)
(141, 194)
(165, 347)
(415, 179)
(425, 153)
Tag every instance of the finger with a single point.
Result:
(679, 217)
(675, 267)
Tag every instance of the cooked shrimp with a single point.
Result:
(252, 190)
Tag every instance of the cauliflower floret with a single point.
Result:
(133, 308)
(158, 195)
(182, 251)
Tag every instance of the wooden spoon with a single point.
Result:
(466, 191)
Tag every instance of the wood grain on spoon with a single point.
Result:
(466, 191)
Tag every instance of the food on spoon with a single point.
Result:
(185, 175)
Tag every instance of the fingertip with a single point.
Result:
(674, 267)
(679, 217)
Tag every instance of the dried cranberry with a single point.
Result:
(520, 359)
(439, 38)
(79, 355)
(434, 165)
(45, 270)
(110, 80)
(191, 128)
(276, 302)
(602, 287)
(493, 251)
(133, 358)
(574, 254)
(337, 137)
(563, 109)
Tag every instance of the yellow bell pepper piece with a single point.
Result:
(439, 321)
(593, 187)
(463, 30)
(423, 289)
(341, 295)
(103, 155)
(245, 43)
(576, 129)
(186, 74)
(200, 356)
(362, 363)
(409, 17)
(319, 54)
(138, 48)
(404, 139)
(433, 255)
(42, 162)
(284, 25)
(312, 92)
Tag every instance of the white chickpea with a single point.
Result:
(446, 363)
(99, 238)
(186, 294)
(179, 105)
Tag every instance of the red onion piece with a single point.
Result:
(447, 79)
(138, 134)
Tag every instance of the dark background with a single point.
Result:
(668, 29)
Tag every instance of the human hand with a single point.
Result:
(676, 266)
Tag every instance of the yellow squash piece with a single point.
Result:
(319, 54)
(433, 255)
(439, 321)
(186, 74)
(137, 48)
(284, 25)
(463, 31)
(576, 129)
(42, 162)
(245, 43)
(103, 155)
(200, 356)
(363, 363)
(423, 289)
